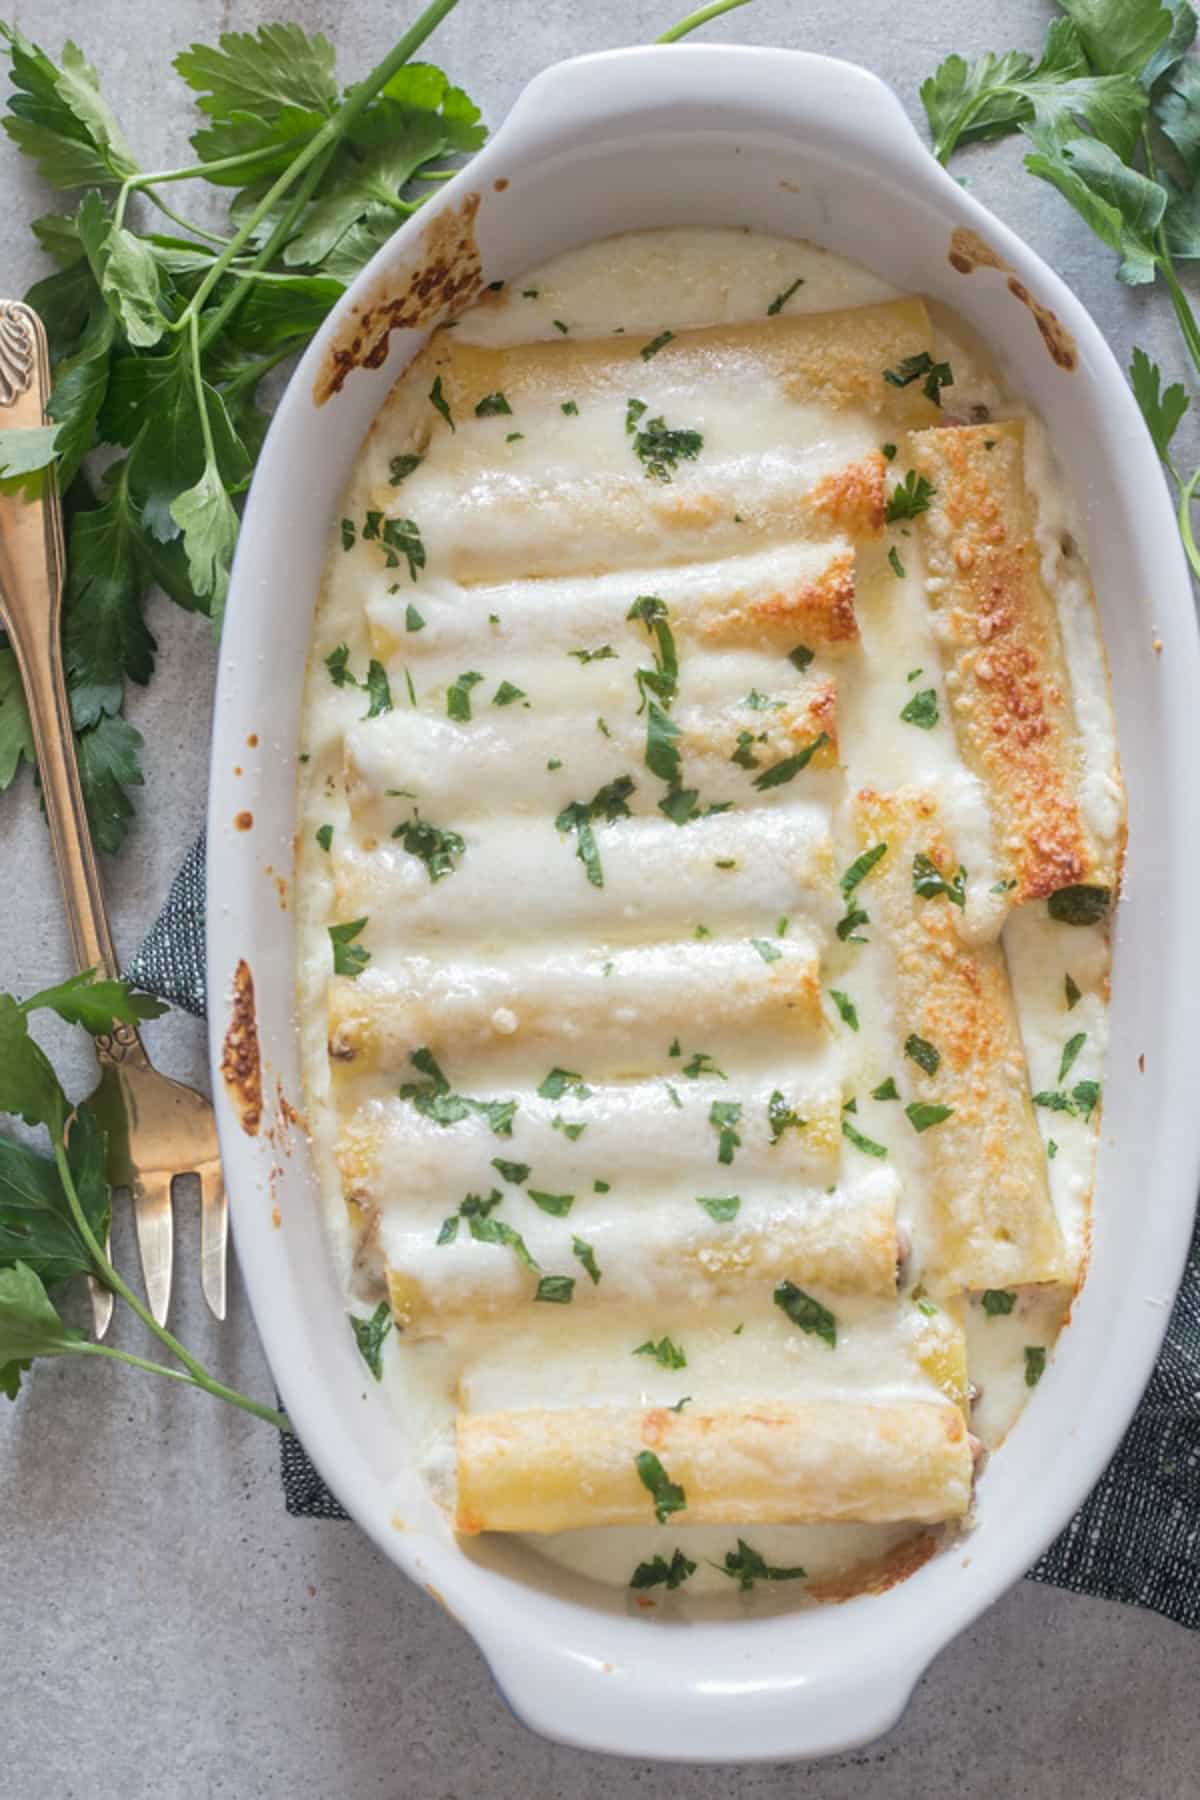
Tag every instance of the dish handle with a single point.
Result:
(722, 1716)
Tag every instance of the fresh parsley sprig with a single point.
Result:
(55, 1209)
(1111, 109)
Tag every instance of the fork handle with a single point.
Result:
(31, 576)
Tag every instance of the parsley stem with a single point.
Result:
(358, 99)
(193, 325)
(197, 1375)
(218, 317)
(700, 17)
(1187, 493)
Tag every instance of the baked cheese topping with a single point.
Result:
(711, 821)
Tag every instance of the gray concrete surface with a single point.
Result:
(167, 1630)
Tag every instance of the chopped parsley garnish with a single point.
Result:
(667, 1354)
(559, 1289)
(554, 763)
(506, 693)
(897, 566)
(725, 862)
(436, 847)
(557, 1205)
(673, 1048)
(846, 1007)
(517, 1173)
(494, 1231)
(923, 1053)
(338, 664)
(438, 401)
(887, 1090)
(854, 1136)
(491, 405)
(857, 871)
(781, 1117)
(413, 620)
(369, 1335)
(609, 803)
(434, 1099)
(800, 657)
(997, 1302)
(921, 1115)
(662, 758)
(1071, 1050)
(745, 1566)
(348, 534)
(582, 1250)
(790, 766)
(701, 1063)
(573, 1132)
(658, 1572)
(655, 345)
(559, 326)
(660, 448)
(1035, 1364)
(1051, 1149)
(458, 695)
(514, 437)
(889, 451)
(937, 375)
(401, 467)
(530, 293)
(744, 754)
(324, 836)
(921, 710)
(602, 1187)
(722, 1208)
(349, 958)
(760, 703)
(723, 1116)
(806, 1312)
(379, 690)
(663, 679)
(564, 1081)
(675, 1100)
(929, 882)
(586, 656)
(667, 1495)
(780, 301)
(909, 498)
(768, 951)
(1073, 994)
(1079, 905)
(1081, 1102)
(412, 692)
(570, 408)
(398, 538)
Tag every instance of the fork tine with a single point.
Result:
(155, 1235)
(214, 1230)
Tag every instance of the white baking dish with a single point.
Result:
(799, 145)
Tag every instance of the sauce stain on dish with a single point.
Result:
(968, 252)
(243, 821)
(448, 275)
(241, 1061)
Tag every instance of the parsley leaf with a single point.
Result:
(846, 1007)
(349, 958)
(440, 404)
(781, 1117)
(658, 1572)
(667, 1354)
(922, 710)
(768, 951)
(401, 467)
(564, 1081)
(780, 301)
(933, 376)
(1163, 411)
(867, 1145)
(806, 1312)
(506, 693)
(745, 1566)
(1035, 1364)
(458, 695)
(789, 766)
(721, 1208)
(557, 1289)
(701, 1063)
(667, 1495)
(909, 498)
(1071, 1050)
(558, 1205)
(581, 1249)
(436, 847)
(369, 1335)
(998, 1301)
(486, 1230)
(655, 345)
(609, 803)
(379, 690)
(491, 406)
(660, 448)
(923, 1053)
(724, 1117)
(921, 1115)
(929, 882)
(887, 1090)
(1072, 993)
(1079, 905)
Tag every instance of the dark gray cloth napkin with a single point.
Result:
(1137, 1536)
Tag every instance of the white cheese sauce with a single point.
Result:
(767, 876)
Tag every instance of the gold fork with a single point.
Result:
(158, 1129)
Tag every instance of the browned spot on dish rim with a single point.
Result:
(241, 1063)
(968, 252)
(445, 277)
(500, 183)
(1055, 335)
(876, 1576)
(252, 740)
(243, 821)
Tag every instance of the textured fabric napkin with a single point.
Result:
(1137, 1536)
